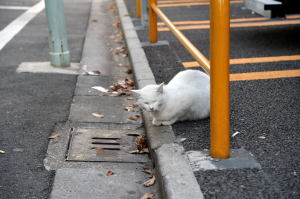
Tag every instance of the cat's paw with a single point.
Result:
(156, 123)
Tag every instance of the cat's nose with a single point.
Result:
(151, 108)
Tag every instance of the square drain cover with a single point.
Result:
(100, 145)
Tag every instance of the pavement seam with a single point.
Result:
(176, 180)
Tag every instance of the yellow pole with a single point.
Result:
(138, 7)
(219, 77)
(153, 35)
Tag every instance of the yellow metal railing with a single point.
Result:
(217, 67)
(200, 58)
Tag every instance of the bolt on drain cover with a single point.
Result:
(98, 145)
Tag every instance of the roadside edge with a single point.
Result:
(175, 175)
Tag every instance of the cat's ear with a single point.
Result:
(136, 91)
(160, 88)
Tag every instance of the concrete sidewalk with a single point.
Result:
(91, 152)
(83, 169)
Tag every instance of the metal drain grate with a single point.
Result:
(97, 145)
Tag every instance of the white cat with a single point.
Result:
(186, 97)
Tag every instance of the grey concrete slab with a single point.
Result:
(46, 67)
(266, 8)
(95, 184)
(113, 109)
(239, 159)
(158, 43)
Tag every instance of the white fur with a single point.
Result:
(186, 97)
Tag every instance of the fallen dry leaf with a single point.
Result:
(54, 136)
(128, 71)
(109, 173)
(148, 171)
(121, 50)
(112, 8)
(123, 54)
(134, 151)
(98, 115)
(130, 82)
(109, 36)
(141, 142)
(148, 195)
(94, 72)
(150, 182)
(115, 94)
(134, 117)
(145, 150)
(88, 72)
(129, 109)
(117, 86)
(117, 24)
(2, 152)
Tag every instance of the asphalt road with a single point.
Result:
(265, 111)
(31, 104)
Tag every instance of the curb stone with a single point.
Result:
(176, 177)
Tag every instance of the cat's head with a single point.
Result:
(150, 98)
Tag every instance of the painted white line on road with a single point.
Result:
(19, 23)
(14, 7)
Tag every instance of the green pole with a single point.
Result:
(58, 43)
(144, 12)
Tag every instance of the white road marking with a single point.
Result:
(19, 23)
(14, 7)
